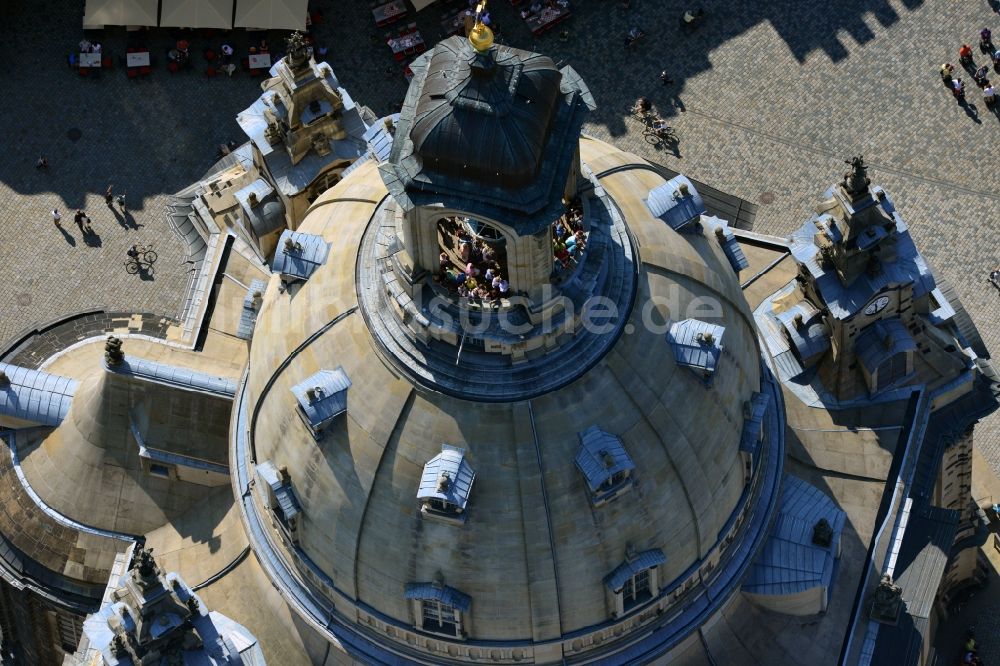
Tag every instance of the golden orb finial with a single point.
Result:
(481, 37)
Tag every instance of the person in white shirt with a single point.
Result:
(989, 94)
(56, 217)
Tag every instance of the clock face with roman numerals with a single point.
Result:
(877, 305)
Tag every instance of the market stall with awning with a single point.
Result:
(197, 14)
(272, 14)
(99, 13)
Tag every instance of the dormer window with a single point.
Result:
(437, 608)
(697, 345)
(606, 466)
(753, 432)
(280, 498)
(885, 350)
(322, 397)
(298, 255)
(635, 581)
(445, 485)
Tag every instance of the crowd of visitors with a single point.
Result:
(473, 257)
(980, 75)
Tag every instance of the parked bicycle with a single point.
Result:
(140, 258)
(659, 133)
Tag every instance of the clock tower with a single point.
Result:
(865, 314)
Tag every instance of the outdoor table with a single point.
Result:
(260, 60)
(137, 59)
(90, 60)
(542, 21)
(410, 41)
(388, 12)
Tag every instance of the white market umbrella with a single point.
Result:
(197, 14)
(120, 12)
(272, 14)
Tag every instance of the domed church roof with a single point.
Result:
(471, 100)
(498, 127)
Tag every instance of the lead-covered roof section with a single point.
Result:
(647, 559)
(323, 395)
(676, 202)
(494, 135)
(447, 477)
(601, 456)
(803, 323)
(448, 596)
(906, 265)
(281, 488)
(696, 344)
(790, 562)
(176, 377)
(35, 396)
(298, 255)
(881, 341)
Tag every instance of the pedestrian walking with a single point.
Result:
(986, 41)
(42, 163)
(78, 218)
(56, 217)
(995, 278)
(947, 70)
(665, 78)
(965, 55)
(109, 197)
(121, 201)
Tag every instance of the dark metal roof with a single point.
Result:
(881, 341)
(450, 461)
(922, 558)
(298, 255)
(448, 596)
(677, 210)
(35, 396)
(487, 133)
(647, 559)
(601, 455)
(689, 339)
(754, 422)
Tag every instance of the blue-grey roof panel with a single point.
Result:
(677, 210)
(283, 492)
(298, 255)
(811, 338)
(881, 341)
(907, 266)
(754, 421)
(248, 315)
(600, 456)
(379, 139)
(170, 375)
(330, 395)
(448, 596)
(693, 351)
(451, 462)
(789, 561)
(35, 396)
(727, 239)
(647, 559)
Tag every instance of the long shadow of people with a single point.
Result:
(130, 222)
(91, 237)
(120, 219)
(970, 110)
(67, 236)
(145, 272)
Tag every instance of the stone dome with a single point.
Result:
(533, 553)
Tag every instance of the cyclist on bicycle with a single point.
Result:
(642, 105)
(133, 253)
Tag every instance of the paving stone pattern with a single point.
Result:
(769, 99)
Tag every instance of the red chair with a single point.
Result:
(398, 56)
(84, 71)
(106, 62)
(132, 72)
(421, 47)
(145, 70)
(172, 66)
(210, 71)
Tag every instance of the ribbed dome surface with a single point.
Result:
(485, 117)
(533, 552)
